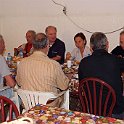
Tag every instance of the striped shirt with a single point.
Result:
(39, 73)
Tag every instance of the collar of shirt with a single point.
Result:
(39, 54)
(100, 52)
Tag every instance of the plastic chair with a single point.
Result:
(12, 109)
(16, 100)
(65, 104)
(96, 96)
(32, 98)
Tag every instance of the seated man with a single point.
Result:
(4, 70)
(39, 73)
(119, 50)
(27, 47)
(57, 47)
(106, 67)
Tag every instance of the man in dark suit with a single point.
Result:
(119, 50)
(106, 67)
(57, 47)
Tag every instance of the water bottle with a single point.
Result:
(9, 59)
(69, 63)
(21, 53)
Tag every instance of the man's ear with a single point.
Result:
(107, 45)
(91, 47)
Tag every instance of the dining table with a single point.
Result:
(72, 74)
(42, 114)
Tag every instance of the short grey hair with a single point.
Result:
(49, 27)
(98, 40)
(40, 44)
(42, 36)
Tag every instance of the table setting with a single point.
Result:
(42, 114)
(71, 71)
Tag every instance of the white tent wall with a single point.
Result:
(18, 16)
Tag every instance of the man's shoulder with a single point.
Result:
(117, 48)
(25, 60)
(88, 58)
(53, 62)
(58, 41)
(92, 57)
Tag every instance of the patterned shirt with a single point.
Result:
(39, 73)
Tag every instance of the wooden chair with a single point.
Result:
(32, 98)
(96, 96)
(4, 101)
(11, 94)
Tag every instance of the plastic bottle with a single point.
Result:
(9, 59)
(21, 53)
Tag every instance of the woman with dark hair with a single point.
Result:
(81, 49)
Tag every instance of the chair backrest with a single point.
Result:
(65, 104)
(16, 100)
(4, 101)
(32, 98)
(96, 96)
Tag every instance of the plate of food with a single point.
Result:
(68, 70)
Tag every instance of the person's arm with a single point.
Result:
(57, 58)
(10, 81)
(18, 80)
(21, 47)
(5, 73)
(61, 79)
(60, 52)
